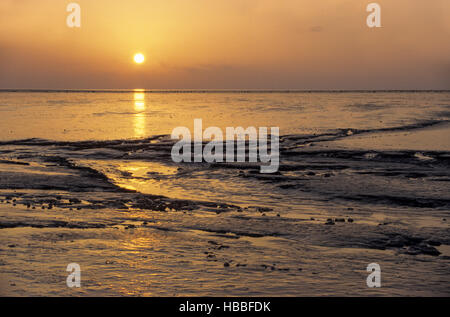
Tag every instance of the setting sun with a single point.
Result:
(139, 58)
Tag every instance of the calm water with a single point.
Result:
(144, 225)
(104, 116)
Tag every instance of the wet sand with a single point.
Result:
(198, 254)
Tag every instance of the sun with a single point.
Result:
(139, 58)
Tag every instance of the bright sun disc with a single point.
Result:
(139, 58)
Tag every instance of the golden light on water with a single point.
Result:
(139, 101)
(139, 117)
(139, 58)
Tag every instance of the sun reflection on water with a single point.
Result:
(139, 121)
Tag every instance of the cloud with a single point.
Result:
(316, 28)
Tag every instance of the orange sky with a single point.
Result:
(254, 44)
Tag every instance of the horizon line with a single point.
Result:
(200, 90)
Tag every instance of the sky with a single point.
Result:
(225, 44)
